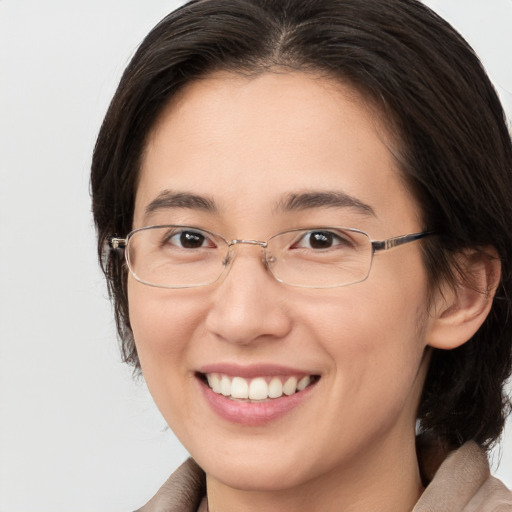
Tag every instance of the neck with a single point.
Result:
(384, 479)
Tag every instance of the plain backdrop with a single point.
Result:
(76, 432)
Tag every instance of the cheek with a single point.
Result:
(161, 319)
(374, 333)
(163, 323)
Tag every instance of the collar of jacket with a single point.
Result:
(459, 481)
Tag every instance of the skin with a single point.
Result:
(246, 143)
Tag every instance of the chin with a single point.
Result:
(254, 476)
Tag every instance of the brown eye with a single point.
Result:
(189, 240)
(321, 240)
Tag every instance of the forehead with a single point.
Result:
(248, 142)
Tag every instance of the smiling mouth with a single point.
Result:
(259, 389)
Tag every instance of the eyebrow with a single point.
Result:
(168, 199)
(310, 200)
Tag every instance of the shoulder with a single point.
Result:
(182, 492)
(463, 483)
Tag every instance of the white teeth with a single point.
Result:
(275, 388)
(214, 382)
(239, 388)
(256, 389)
(303, 383)
(290, 386)
(225, 386)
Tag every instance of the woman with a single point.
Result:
(303, 213)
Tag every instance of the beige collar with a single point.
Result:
(463, 483)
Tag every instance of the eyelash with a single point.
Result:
(174, 233)
(333, 236)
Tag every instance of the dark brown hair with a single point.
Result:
(455, 151)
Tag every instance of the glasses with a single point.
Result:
(175, 256)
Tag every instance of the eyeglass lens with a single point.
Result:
(180, 256)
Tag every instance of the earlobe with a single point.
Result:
(458, 311)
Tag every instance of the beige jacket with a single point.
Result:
(462, 483)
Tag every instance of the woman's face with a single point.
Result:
(247, 145)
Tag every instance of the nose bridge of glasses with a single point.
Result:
(249, 242)
(236, 242)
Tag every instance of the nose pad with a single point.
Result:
(226, 262)
(265, 258)
(269, 259)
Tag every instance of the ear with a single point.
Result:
(458, 311)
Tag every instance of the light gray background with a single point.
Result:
(76, 433)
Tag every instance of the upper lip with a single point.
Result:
(252, 371)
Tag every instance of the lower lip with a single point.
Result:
(253, 413)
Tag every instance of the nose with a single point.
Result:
(248, 303)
